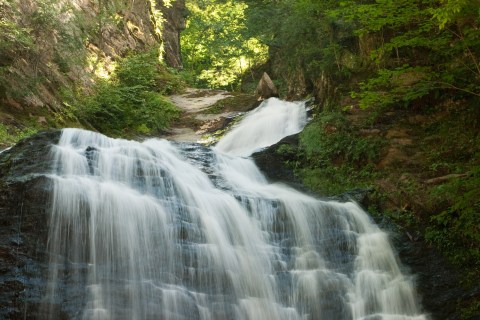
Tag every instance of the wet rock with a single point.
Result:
(215, 125)
(438, 283)
(24, 205)
(360, 196)
(272, 161)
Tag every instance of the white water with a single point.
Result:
(156, 230)
(6, 149)
(266, 125)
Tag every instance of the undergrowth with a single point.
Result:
(132, 100)
(454, 148)
(336, 158)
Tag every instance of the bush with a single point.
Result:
(11, 135)
(457, 229)
(335, 158)
(329, 140)
(131, 100)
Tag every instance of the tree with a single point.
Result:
(215, 44)
(425, 46)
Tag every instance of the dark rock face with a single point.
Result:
(439, 284)
(24, 210)
(175, 21)
(272, 162)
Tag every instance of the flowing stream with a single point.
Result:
(162, 230)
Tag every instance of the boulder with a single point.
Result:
(265, 88)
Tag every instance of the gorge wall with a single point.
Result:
(51, 49)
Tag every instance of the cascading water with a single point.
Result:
(157, 230)
(266, 125)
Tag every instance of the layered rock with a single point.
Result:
(25, 191)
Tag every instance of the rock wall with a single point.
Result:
(175, 16)
(48, 48)
(24, 210)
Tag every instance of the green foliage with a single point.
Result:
(215, 44)
(131, 100)
(453, 10)
(400, 86)
(459, 225)
(36, 40)
(305, 44)
(14, 37)
(334, 180)
(329, 140)
(11, 135)
(138, 70)
(337, 159)
(438, 40)
(454, 225)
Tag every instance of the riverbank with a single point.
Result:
(205, 111)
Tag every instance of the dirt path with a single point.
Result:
(197, 119)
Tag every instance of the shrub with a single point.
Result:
(457, 229)
(329, 140)
(131, 100)
(336, 159)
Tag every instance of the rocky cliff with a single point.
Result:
(175, 15)
(51, 49)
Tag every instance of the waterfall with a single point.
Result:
(162, 230)
(266, 125)
(6, 149)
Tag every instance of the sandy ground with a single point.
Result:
(194, 102)
(197, 100)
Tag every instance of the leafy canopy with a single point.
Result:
(216, 46)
